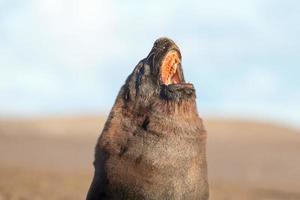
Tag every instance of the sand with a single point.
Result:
(51, 158)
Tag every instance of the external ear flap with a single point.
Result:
(147, 69)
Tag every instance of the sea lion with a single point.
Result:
(153, 144)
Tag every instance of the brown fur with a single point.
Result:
(153, 145)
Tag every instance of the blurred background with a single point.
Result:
(63, 62)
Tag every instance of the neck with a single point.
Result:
(186, 107)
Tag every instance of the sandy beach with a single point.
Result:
(51, 158)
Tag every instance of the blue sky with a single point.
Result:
(71, 57)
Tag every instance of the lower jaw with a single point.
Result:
(176, 100)
(177, 92)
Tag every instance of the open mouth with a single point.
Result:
(169, 70)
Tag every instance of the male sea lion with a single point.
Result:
(153, 142)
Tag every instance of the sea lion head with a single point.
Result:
(159, 77)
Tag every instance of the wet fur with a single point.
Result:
(153, 145)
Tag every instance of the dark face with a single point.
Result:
(159, 76)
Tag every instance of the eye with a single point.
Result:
(139, 77)
(142, 70)
(146, 69)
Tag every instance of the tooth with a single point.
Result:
(175, 67)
